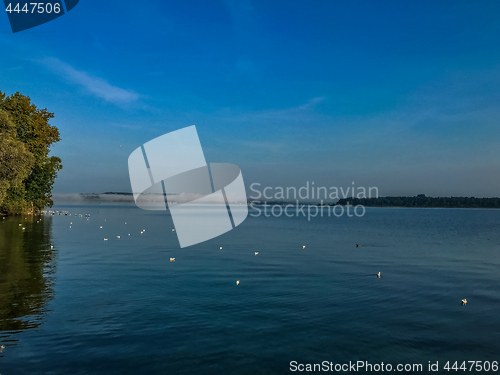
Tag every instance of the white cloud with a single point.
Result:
(95, 85)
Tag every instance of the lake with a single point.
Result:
(90, 306)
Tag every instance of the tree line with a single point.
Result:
(27, 172)
(423, 201)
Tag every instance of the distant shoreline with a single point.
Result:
(419, 201)
(422, 201)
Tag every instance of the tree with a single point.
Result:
(16, 163)
(30, 126)
(39, 183)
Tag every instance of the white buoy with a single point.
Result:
(51, 247)
(117, 236)
(304, 247)
(220, 248)
(100, 227)
(173, 230)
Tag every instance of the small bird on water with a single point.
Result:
(256, 253)
(304, 246)
(378, 274)
(220, 248)
(237, 282)
(2, 348)
(464, 302)
(172, 259)
(358, 245)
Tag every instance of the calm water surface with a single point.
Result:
(90, 306)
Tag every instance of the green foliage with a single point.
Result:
(32, 125)
(15, 159)
(27, 173)
(15, 203)
(40, 181)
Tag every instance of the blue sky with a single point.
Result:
(399, 95)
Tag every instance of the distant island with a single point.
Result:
(423, 201)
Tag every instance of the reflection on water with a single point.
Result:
(27, 267)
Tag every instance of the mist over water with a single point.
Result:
(120, 306)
